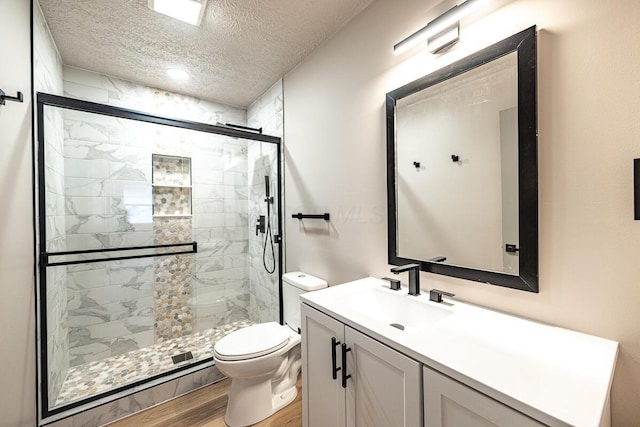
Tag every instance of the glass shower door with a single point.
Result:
(149, 251)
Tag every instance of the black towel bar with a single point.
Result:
(4, 97)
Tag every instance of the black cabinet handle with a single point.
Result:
(345, 376)
(334, 368)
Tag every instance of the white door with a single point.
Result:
(384, 387)
(448, 403)
(323, 397)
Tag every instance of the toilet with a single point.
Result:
(263, 360)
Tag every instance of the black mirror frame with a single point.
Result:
(524, 43)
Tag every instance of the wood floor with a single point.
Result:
(205, 408)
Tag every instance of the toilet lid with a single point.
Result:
(253, 341)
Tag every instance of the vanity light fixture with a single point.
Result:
(189, 11)
(442, 32)
(177, 74)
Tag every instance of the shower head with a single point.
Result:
(266, 185)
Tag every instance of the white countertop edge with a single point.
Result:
(570, 413)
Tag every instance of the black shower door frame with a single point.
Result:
(43, 258)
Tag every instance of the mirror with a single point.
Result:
(462, 168)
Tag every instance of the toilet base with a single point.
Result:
(263, 385)
(251, 401)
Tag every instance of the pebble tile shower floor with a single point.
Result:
(103, 375)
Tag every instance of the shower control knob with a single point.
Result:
(260, 225)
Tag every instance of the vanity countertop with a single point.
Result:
(555, 375)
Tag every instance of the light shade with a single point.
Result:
(445, 38)
(189, 11)
(441, 30)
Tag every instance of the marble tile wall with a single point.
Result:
(109, 204)
(47, 64)
(110, 308)
(220, 220)
(48, 78)
(265, 112)
(109, 90)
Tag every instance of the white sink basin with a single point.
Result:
(396, 309)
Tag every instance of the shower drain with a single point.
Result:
(182, 357)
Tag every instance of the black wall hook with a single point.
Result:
(4, 97)
(416, 164)
(455, 158)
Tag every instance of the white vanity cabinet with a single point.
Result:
(350, 379)
(448, 403)
(414, 362)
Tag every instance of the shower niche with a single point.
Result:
(171, 176)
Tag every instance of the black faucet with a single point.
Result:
(414, 276)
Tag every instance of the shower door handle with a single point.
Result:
(334, 368)
(45, 257)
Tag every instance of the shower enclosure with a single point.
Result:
(149, 246)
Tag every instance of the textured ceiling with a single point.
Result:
(241, 48)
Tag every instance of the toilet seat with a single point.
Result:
(253, 341)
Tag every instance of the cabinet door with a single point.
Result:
(322, 395)
(384, 388)
(448, 403)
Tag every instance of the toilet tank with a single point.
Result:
(295, 284)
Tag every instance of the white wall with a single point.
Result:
(588, 101)
(17, 319)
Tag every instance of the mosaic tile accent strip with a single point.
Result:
(266, 112)
(173, 291)
(104, 375)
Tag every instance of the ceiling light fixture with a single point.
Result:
(442, 32)
(177, 74)
(189, 11)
